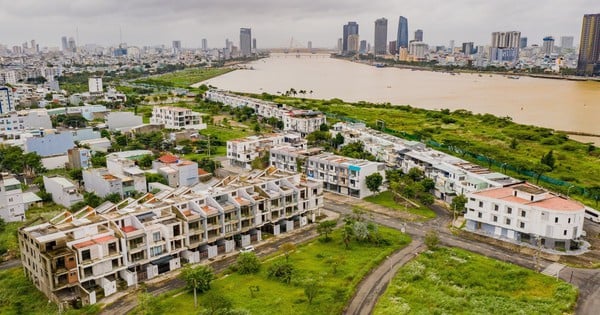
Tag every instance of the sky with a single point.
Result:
(275, 23)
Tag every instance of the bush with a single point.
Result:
(282, 271)
(247, 263)
(432, 239)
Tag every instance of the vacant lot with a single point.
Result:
(454, 281)
(386, 199)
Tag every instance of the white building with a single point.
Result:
(50, 143)
(6, 102)
(525, 213)
(241, 152)
(95, 85)
(126, 169)
(418, 50)
(301, 121)
(18, 122)
(176, 171)
(13, 201)
(341, 175)
(176, 118)
(63, 191)
(122, 121)
(120, 176)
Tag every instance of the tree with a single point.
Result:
(76, 174)
(216, 304)
(145, 161)
(539, 170)
(374, 181)
(324, 127)
(98, 159)
(287, 249)
(311, 290)
(155, 178)
(149, 305)
(432, 239)
(549, 160)
(325, 228)
(114, 197)
(197, 279)
(247, 263)
(458, 203)
(281, 270)
(347, 234)
(360, 231)
(338, 140)
(415, 174)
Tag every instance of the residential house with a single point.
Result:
(63, 191)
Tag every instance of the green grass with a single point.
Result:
(576, 163)
(454, 281)
(313, 262)
(184, 78)
(224, 134)
(386, 199)
(19, 296)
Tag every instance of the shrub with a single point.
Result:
(282, 271)
(247, 263)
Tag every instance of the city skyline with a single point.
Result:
(145, 23)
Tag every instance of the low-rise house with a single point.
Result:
(121, 176)
(79, 158)
(63, 191)
(18, 122)
(178, 172)
(526, 213)
(13, 201)
(241, 152)
(177, 118)
(77, 255)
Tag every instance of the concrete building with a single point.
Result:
(6, 102)
(589, 48)
(294, 120)
(353, 42)
(526, 213)
(548, 45)
(505, 46)
(178, 172)
(95, 85)
(402, 36)
(50, 143)
(62, 190)
(79, 158)
(18, 122)
(176, 118)
(76, 255)
(349, 29)
(339, 174)
(241, 152)
(122, 121)
(176, 47)
(418, 51)
(245, 42)
(363, 47)
(566, 42)
(13, 201)
(380, 42)
(467, 48)
(523, 42)
(419, 35)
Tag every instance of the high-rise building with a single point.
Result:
(548, 45)
(419, 35)
(393, 47)
(363, 47)
(505, 46)
(340, 45)
(353, 42)
(380, 41)
(95, 85)
(65, 43)
(6, 103)
(204, 44)
(467, 48)
(523, 42)
(402, 37)
(451, 45)
(309, 45)
(245, 42)
(254, 44)
(418, 50)
(589, 47)
(176, 46)
(72, 45)
(349, 29)
(566, 42)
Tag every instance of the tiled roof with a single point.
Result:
(168, 159)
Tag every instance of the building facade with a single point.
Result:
(13, 201)
(419, 35)
(505, 46)
(6, 102)
(402, 37)
(79, 158)
(75, 255)
(122, 120)
(589, 48)
(63, 191)
(380, 41)
(245, 42)
(95, 85)
(241, 152)
(526, 213)
(349, 29)
(548, 45)
(178, 172)
(18, 122)
(176, 118)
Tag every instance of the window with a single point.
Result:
(565, 232)
(509, 210)
(480, 204)
(156, 236)
(507, 221)
(556, 220)
(569, 220)
(522, 225)
(137, 256)
(523, 213)
(155, 251)
(479, 215)
(86, 255)
(495, 218)
(495, 207)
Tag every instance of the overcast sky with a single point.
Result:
(275, 22)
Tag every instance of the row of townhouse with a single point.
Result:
(341, 175)
(13, 201)
(176, 118)
(301, 121)
(241, 152)
(498, 205)
(82, 255)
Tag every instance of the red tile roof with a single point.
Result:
(202, 172)
(83, 244)
(104, 239)
(128, 228)
(168, 159)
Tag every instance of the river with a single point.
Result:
(557, 104)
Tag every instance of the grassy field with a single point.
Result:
(184, 78)
(19, 296)
(576, 163)
(313, 261)
(454, 281)
(386, 199)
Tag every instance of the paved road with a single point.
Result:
(10, 264)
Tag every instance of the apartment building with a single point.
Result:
(178, 172)
(526, 213)
(339, 174)
(301, 121)
(176, 118)
(241, 152)
(13, 201)
(18, 122)
(82, 255)
(63, 191)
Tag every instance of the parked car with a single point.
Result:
(247, 249)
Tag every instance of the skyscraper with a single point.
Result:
(353, 42)
(363, 47)
(566, 42)
(548, 45)
(65, 43)
(419, 35)
(204, 44)
(380, 41)
(505, 46)
(349, 29)
(176, 46)
(523, 42)
(467, 48)
(402, 38)
(589, 47)
(309, 45)
(245, 42)
(72, 45)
